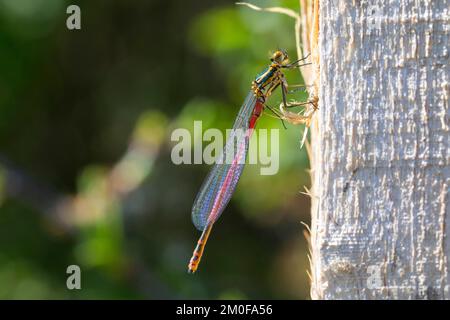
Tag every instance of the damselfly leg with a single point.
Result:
(304, 116)
(298, 87)
(295, 64)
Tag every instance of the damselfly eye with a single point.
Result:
(279, 56)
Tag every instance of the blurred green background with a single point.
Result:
(85, 170)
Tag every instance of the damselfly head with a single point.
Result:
(280, 57)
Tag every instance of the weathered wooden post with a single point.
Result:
(381, 151)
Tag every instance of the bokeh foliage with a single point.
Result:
(88, 115)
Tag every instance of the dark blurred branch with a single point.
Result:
(69, 212)
(125, 176)
(20, 185)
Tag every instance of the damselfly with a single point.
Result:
(221, 182)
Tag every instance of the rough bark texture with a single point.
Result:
(381, 211)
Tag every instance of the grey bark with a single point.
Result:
(381, 159)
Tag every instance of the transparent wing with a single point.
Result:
(221, 181)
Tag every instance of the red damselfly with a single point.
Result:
(221, 182)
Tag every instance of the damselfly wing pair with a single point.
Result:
(221, 181)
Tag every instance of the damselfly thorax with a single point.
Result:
(268, 80)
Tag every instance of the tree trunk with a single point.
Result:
(380, 157)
